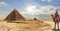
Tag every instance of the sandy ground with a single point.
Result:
(26, 26)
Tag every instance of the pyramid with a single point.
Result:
(34, 19)
(14, 15)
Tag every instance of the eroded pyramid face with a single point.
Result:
(14, 15)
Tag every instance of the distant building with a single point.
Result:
(14, 15)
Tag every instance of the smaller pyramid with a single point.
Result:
(14, 15)
(34, 19)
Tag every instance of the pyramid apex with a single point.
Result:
(14, 9)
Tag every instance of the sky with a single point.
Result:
(29, 8)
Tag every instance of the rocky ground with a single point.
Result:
(26, 26)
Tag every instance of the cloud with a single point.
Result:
(58, 7)
(3, 4)
(36, 10)
(47, 0)
(47, 9)
(32, 10)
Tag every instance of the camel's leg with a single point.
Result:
(58, 25)
(55, 25)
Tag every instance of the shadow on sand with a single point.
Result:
(56, 29)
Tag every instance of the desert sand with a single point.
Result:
(34, 25)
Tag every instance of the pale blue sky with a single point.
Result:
(9, 5)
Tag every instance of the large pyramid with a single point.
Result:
(14, 15)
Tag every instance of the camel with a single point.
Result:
(56, 19)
